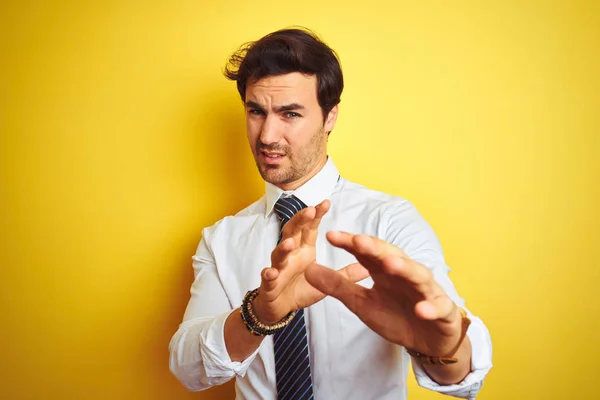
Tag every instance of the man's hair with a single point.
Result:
(286, 51)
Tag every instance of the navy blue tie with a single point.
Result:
(292, 365)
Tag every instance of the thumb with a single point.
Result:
(355, 272)
(335, 284)
(438, 308)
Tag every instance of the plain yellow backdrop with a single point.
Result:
(121, 139)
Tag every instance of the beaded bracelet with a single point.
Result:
(252, 323)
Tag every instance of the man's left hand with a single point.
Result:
(405, 305)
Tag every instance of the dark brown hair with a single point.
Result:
(285, 51)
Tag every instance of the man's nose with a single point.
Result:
(271, 130)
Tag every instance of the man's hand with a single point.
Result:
(405, 305)
(283, 286)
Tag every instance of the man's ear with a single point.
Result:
(331, 119)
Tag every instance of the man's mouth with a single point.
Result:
(272, 157)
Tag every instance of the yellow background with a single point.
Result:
(120, 140)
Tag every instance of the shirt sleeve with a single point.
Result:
(198, 355)
(408, 230)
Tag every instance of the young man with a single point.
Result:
(322, 288)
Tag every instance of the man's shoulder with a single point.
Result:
(241, 218)
(256, 208)
(354, 192)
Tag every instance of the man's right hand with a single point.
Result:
(283, 286)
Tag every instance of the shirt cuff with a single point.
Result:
(481, 362)
(215, 357)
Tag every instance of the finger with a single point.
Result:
(380, 257)
(355, 272)
(320, 210)
(279, 256)
(438, 308)
(363, 247)
(343, 240)
(309, 236)
(407, 269)
(335, 284)
(375, 248)
(268, 280)
(294, 226)
(385, 261)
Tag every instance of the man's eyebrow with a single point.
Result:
(252, 104)
(287, 107)
(290, 107)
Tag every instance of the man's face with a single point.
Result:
(286, 130)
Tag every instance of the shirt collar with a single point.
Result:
(314, 191)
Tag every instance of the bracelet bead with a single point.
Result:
(252, 322)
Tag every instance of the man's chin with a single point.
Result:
(273, 174)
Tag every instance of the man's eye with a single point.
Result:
(257, 112)
(291, 114)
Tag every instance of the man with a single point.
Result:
(321, 288)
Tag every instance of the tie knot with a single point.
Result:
(287, 207)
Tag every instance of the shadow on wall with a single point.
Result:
(233, 183)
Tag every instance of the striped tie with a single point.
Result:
(292, 366)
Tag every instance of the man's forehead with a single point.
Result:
(289, 88)
(289, 79)
(288, 82)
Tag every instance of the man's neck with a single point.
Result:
(296, 184)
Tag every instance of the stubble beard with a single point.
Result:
(298, 165)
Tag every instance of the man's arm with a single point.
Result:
(283, 286)
(198, 354)
(240, 342)
(406, 306)
(213, 345)
(289, 258)
(409, 231)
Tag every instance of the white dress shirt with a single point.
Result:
(348, 360)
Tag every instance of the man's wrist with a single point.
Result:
(449, 358)
(253, 324)
(263, 316)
